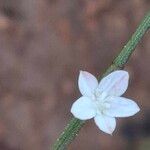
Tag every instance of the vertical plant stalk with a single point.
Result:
(74, 126)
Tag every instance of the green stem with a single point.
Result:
(74, 126)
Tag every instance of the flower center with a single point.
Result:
(99, 96)
(100, 101)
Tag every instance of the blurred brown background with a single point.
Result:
(43, 45)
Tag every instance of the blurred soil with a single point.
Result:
(43, 45)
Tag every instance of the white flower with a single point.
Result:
(102, 100)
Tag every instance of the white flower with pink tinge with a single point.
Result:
(102, 101)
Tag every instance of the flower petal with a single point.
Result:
(83, 108)
(87, 83)
(122, 107)
(115, 83)
(105, 123)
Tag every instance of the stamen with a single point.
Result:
(97, 93)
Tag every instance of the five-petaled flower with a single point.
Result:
(103, 100)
